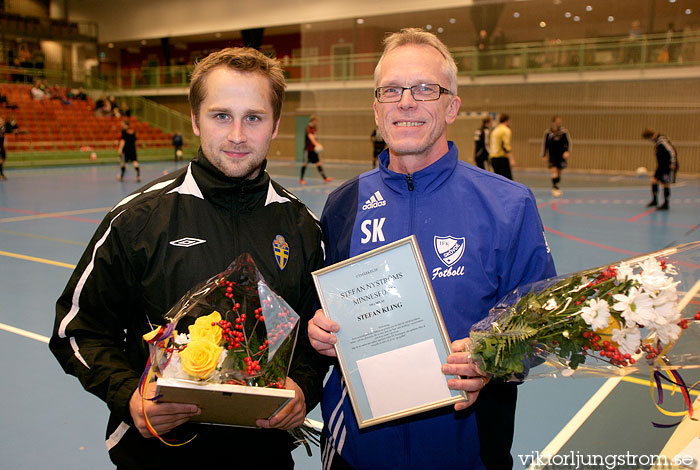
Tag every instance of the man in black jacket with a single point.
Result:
(176, 231)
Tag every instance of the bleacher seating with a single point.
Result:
(51, 125)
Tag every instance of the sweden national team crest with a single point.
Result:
(449, 249)
(281, 249)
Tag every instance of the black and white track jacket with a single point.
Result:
(155, 245)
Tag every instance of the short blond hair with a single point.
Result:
(240, 59)
(420, 37)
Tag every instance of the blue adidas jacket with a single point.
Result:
(480, 236)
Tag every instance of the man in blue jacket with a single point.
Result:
(480, 236)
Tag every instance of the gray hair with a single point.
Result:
(420, 37)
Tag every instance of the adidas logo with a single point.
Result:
(187, 242)
(375, 201)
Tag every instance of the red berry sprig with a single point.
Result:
(607, 350)
(252, 366)
(652, 351)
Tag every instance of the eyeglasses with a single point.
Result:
(422, 92)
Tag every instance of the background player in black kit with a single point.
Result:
(127, 151)
(557, 144)
(666, 167)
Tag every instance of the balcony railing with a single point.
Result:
(617, 53)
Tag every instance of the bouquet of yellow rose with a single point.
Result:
(229, 331)
(636, 316)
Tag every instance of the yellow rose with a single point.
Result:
(203, 328)
(200, 358)
(606, 333)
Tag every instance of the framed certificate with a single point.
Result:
(225, 404)
(392, 340)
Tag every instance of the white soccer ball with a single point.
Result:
(642, 170)
(178, 153)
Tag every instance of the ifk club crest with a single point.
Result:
(281, 250)
(449, 249)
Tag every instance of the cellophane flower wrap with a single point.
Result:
(635, 316)
(230, 329)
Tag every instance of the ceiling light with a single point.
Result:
(688, 11)
(589, 8)
(453, 20)
(567, 14)
(611, 19)
(543, 24)
(110, 45)
(576, 18)
(360, 21)
(516, 15)
(428, 27)
(671, 1)
(440, 29)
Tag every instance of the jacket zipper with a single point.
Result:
(409, 180)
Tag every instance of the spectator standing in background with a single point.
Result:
(633, 49)
(482, 47)
(556, 144)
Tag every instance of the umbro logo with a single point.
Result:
(187, 242)
(375, 201)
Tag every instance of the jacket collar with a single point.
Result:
(226, 191)
(424, 181)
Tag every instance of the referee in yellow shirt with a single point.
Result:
(501, 148)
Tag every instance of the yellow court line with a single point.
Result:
(54, 214)
(584, 413)
(43, 237)
(37, 260)
(25, 333)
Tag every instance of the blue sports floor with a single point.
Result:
(47, 216)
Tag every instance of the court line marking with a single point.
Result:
(643, 214)
(37, 260)
(579, 418)
(556, 208)
(25, 333)
(592, 404)
(43, 237)
(45, 339)
(64, 214)
(586, 411)
(588, 242)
